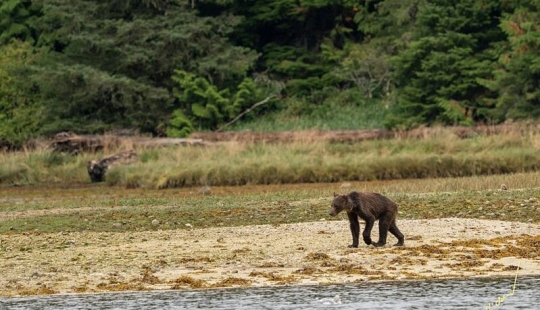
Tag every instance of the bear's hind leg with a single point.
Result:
(384, 225)
(395, 231)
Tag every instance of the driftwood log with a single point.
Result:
(71, 143)
(98, 168)
(67, 142)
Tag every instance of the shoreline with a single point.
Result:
(490, 277)
(313, 253)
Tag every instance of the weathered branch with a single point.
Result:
(245, 112)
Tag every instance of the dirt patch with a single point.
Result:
(292, 254)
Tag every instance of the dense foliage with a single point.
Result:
(169, 67)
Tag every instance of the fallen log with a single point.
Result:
(71, 143)
(98, 168)
(67, 142)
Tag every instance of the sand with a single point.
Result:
(289, 254)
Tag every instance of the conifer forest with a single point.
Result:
(173, 67)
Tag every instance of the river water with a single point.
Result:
(476, 293)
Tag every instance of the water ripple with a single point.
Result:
(474, 293)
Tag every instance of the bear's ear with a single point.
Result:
(335, 195)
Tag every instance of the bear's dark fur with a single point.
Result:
(97, 168)
(369, 207)
(96, 171)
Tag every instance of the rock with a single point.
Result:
(155, 222)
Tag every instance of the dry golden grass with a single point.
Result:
(437, 153)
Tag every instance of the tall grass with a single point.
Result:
(340, 112)
(439, 155)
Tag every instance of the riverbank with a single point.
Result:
(259, 255)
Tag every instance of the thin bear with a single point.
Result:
(369, 207)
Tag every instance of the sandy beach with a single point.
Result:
(288, 254)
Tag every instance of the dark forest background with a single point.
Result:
(168, 67)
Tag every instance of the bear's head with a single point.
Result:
(340, 203)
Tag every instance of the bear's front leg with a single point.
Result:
(383, 232)
(366, 234)
(355, 229)
(367, 240)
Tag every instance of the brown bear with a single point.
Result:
(369, 207)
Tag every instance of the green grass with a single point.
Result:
(104, 208)
(336, 114)
(441, 154)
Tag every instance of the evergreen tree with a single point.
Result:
(454, 45)
(111, 63)
(290, 35)
(17, 18)
(174, 66)
(20, 111)
(384, 27)
(517, 80)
